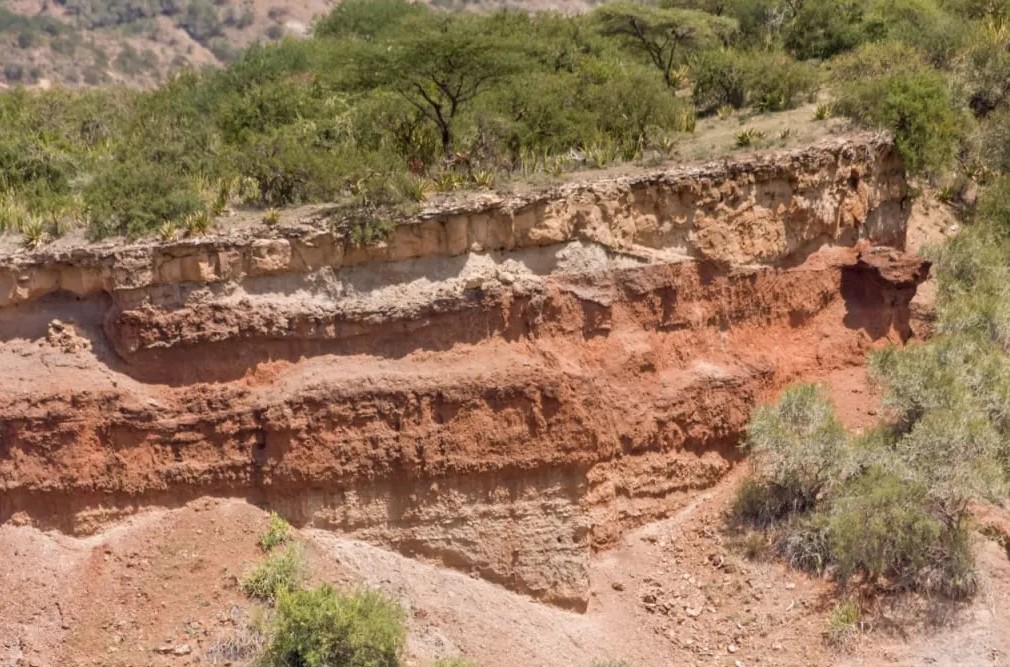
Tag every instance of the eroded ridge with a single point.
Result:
(503, 386)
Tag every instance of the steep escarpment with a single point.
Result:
(504, 385)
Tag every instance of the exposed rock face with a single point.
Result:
(503, 387)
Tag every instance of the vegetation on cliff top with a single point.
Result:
(389, 101)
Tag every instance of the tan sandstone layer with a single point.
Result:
(503, 386)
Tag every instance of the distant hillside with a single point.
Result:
(138, 42)
(89, 42)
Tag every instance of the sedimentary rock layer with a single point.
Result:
(503, 386)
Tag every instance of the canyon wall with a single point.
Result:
(504, 385)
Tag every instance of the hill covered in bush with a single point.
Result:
(389, 100)
(385, 102)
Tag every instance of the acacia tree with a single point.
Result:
(664, 35)
(440, 64)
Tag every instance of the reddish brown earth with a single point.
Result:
(543, 393)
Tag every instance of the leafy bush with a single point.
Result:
(776, 82)
(917, 108)
(287, 171)
(763, 503)
(321, 627)
(766, 80)
(798, 445)
(280, 572)
(133, 197)
(630, 103)
(806, 543)
(920, 23)
(880, 530)
(824, 28)
(366, 19)
(952, 572)
(843, 625)
(888, 509)
(988, 148)
(720, 78)
(278, 532)
(956, 452)
(875, 60)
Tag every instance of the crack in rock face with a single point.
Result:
(504, 388)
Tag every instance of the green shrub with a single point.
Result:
(135, 197)
(279, 572)
(322, 627)
(776, 82)
(881, 530)
(952, 571)
(873, 61)
(824, 28)
(760, 21)
(798, 444)
(278, 532)
(843, 625)
(889, 508)
(806, 543)
(766, 80)
(989, 153)
(959, 455)
(920, 23)
(917, 108)
(763, 503)
(630, 102)
(288, 172)
(366, 19)
(720, 79)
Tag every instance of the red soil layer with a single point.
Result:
(550, 423)
(504, 388)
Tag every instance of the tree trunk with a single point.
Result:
(446, 140)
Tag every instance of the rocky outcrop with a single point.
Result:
(767, 209)
(503, 386)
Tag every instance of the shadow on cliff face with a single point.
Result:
(878, 290)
